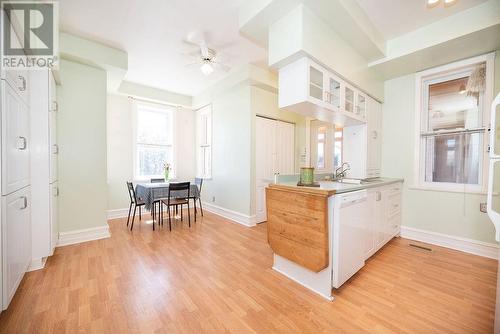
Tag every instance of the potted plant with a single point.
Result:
(166, 170)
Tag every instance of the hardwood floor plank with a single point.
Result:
(216, 277)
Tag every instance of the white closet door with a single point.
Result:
(285, 147)
(54, 223)
(265, 160)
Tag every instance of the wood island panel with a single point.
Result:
(297, 226)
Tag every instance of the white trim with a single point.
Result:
(439, 71)
(117, 213)
(475, 247)
(328, 297)
(37, 264)
(84, 235)
(237, 217)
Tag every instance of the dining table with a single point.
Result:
(150, 192)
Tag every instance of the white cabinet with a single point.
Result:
(385, 217)
(16, 241)
(362, 143)
(43, 166)
(15, 140)
(310, 89)
(374, 130)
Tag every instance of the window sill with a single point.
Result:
(448, 189)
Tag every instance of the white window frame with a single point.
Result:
(452, 70)
(159, 108)
(200, 146)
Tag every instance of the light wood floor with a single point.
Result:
(217, 277)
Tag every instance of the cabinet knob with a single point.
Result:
(55, 106)
(24, 143)
(22, 88)
(25, 202)
(55, 149)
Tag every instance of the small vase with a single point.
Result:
(166, 175)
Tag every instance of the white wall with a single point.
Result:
(120, 148)
(454, 214)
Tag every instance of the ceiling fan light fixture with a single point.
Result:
(449, 2)
(206, 69)
(432, 3)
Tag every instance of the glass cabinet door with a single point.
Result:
(349, 100)
(315, 83)
(334, 92)
(361, 105)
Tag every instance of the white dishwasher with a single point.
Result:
(349, 217)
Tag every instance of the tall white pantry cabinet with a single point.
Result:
(44, 153)
(15, 181)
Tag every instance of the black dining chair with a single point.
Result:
(197, 196)
(157, 202)
(178, 194)
(136, 202)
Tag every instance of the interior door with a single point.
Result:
(285, 147)
(15, 141)
(265, 160)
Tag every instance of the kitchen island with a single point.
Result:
(321, 236)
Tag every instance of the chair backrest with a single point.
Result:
(199, 182)
(131, 192)
(157, 180)
(179, 190)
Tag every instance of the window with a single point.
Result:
(453, 128)
(154, 145)
(204, 142)
(321, 147)
(326, 146)
(337, 149)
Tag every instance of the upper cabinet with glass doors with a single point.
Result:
(309, 89)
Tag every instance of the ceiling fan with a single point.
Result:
(208, 57)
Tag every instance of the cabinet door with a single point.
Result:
(333, 92)
(378, 214)
(316, 82)
(18, 78)
(349, 99)
(16, 241)
(370, 225)
(360, 105)
(54, 222)
(374, 124)
(15, 141)
(53, 109)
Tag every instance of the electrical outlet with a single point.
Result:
(213, 199)
(482, 207)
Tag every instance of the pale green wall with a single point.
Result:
(82, 141)
(231, 151)
(455, 214)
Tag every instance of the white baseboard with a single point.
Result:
(118, 213)
(237, 217)
(37, 264)
(78, 236)
(461, 244)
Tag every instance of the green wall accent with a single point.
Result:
(455, 214)
(82, 141)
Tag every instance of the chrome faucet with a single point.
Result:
(340, 171)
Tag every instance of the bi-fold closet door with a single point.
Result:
(274, 154)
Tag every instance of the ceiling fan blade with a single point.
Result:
(204, 49)
(223, 67)
(193, 64)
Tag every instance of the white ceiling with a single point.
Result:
(396, 17)
(152, 33)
